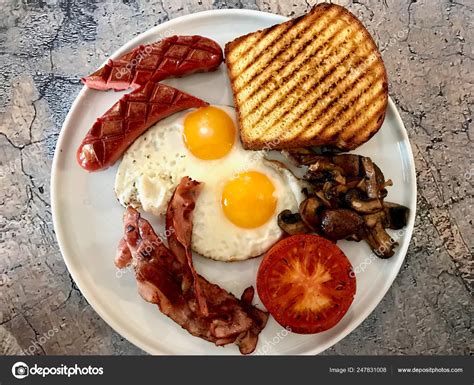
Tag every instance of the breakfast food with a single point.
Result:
(127, 119)
(236, 214)
(134, 113)
(305, 282)
(179, 217)
(317, 80)
(314, 80)
(171, 57)
(166, 278)
(346, 195)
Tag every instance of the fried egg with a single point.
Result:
(235, 217)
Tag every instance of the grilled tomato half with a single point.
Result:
(306, 284)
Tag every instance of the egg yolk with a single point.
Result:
(248, 199)
(209, 133)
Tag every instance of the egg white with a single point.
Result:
(155, 163)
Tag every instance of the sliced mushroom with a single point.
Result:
(355, 237)
(291, 223)
(386, 183)
(380, 242)
(340, 189)
(322, 197)
(362, 186)
(371, 220)
(355, 200)
(383, 191)
(323, 170)
(327, 186)
(309, 212)
(340, 223)
(347, 200)
(371, 184)
(379, 177)
(349, 163)
(396, 215)
(378, 239)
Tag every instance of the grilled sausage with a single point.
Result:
(130, 117)
(173, 56)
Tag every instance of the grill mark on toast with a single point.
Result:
(321, 134)
(290, 107)
(368, 134)
(269, 93)
(263, 50)
(373, 99)
(267, 74)
(264, 33)
(348, 144)
(341, 93)
(289, 62)
(314, 141)
(334, 103)
(360, 106)
(231, 47)
(357, 116)
(321, 80)
(289, 25)
(346, 107)
(349, 87)
(363, 132)
(282, 50)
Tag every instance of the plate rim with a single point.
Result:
(61, 238)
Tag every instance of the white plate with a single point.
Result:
(87, 216)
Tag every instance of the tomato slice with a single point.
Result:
(306, 284)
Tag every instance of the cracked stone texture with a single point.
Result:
(45, 46)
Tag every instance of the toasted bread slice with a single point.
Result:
(315, 80)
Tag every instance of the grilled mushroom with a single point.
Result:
(347, 201)
(291, 223)
(349, 163)
(355, 200)
(309, 212)
(322, 197)
(396, 216)
(379, 177)
(340, 223)
(382, 187)
(323, 170)
(371, 220)
(376, 236)
(372, 187)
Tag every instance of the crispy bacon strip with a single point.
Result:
(179, 230)
(171, 57)
(162, 276)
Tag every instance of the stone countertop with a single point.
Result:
(45, 46)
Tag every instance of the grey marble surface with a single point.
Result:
(45, 46)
